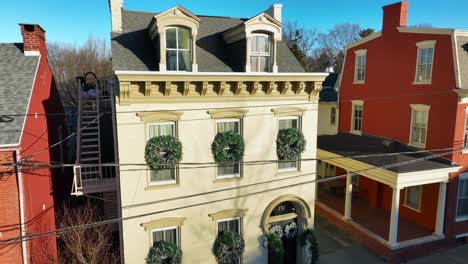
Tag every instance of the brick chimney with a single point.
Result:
(394, 16)
(33, 39)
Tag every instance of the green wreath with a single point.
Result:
(163, 152)
(228, 147)
(228, 247)
(290, 143)
(311, 246)
(163, 252)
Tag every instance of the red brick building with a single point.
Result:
(402, 98)
(27, 93)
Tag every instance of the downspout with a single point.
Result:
(21, 207)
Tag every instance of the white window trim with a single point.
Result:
(177, 49)
(299, 125)
(465, 148)
(235, 175)
(418, 209)
(424, 45)
(230, 219)
(160, 183)
(359, 53)
(261, 54)
(418, 108)
(164, 229)
(358, 103)
(461, 177)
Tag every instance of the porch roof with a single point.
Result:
(341, 150)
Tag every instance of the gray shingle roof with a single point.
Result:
(133, 49)
(345, 144)
(17, 73)
(462, 50)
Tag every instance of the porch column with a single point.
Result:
(348, 197)
(439, 227)
(393, 233)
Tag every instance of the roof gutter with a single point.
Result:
(157, 73)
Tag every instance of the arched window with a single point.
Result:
(178, 49)
(260, 53)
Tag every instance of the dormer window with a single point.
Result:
(178, 49)
(260, 53)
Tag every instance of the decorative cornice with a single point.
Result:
(148, 117)
(285, 111)
(165, 222)
(230, 213)
(228, 113)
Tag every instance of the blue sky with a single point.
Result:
(72, 21)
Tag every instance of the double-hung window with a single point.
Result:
(360, 66)
(413, 197)
(178, 49)
(168, 234)
(419, 118)
(425, 60)
(162, 176)
(223, 125)
(231, 225)
(356, 119)
(462, 200)
(260, 53)
(283, 123)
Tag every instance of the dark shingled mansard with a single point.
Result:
(132, 50)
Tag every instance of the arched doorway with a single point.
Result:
(288, 216)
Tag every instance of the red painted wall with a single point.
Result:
(39, 133)
(387, 94)
(9, 210)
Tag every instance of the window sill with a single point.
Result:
(412, 208)
(417, 145)
(289, 172)
(465, 151)
(461, 218)
(227, 179)
(161, 186)
(422, 83)
(356, 132)
(358, 82)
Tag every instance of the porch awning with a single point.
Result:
(363, 154)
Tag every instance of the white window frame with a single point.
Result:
(428, 44)
(461, 177)
(174, 133)
(355, 103)
(465, 133)
(299, 126)
(358, 68)
(418, 108)
(227, 120)
(164, 229)
(417, 209)
(230, 219)
(261, 54)
(177, 49)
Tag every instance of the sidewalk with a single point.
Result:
(458, 255)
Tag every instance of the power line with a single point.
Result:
(116, 220)
(215, 164)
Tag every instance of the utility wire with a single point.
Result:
(116, 220)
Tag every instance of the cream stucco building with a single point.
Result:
(191, 77)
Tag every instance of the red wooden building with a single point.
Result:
(27, 93)
(403, 98)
